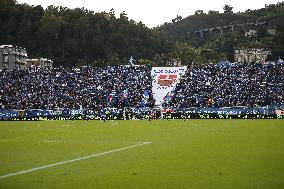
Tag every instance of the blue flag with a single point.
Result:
(145, 99)
(130, 61)
(125, 93)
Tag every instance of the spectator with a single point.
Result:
(234, 85)
(38, 88)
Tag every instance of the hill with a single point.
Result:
(221, 33)
(78, 36)
(75, 37)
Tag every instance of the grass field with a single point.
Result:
(194, 154)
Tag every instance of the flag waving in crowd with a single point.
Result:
(125, 93)
(130, 61)
(167, 99)
(111, 96)
(145, 99)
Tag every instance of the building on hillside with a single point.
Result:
(40, 62)
(271, 31)
(12, 57)
(251, 33)
(251, 55)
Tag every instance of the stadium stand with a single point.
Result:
(232, 84)
(38, 88)
(125, 92)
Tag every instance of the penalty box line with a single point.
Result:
(72, 160)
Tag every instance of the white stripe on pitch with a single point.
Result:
(56, 141)
(70, 161)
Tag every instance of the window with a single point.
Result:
(5, 58)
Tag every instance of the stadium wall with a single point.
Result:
(145, 113)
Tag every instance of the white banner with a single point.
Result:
(279, 112)
(164, 81)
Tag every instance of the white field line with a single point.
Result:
(56, 141)
(47, 141)
(63, 141)
(72, 160)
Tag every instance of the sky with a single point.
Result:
(154, 12)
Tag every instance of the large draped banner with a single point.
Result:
(279, 112)
(164, 81)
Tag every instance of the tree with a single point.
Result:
(212, 12)
(79, 36)
(177, 19)
(209, 56)
(278, 48)
(145, 62)
(199, 12)
(186, 54)
(123, 16)
(228, 9)
(5, 7)
(261, 33)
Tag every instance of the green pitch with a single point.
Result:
(194, 154)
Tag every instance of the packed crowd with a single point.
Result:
(238, 84)
(88, 88)
(209, 85)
